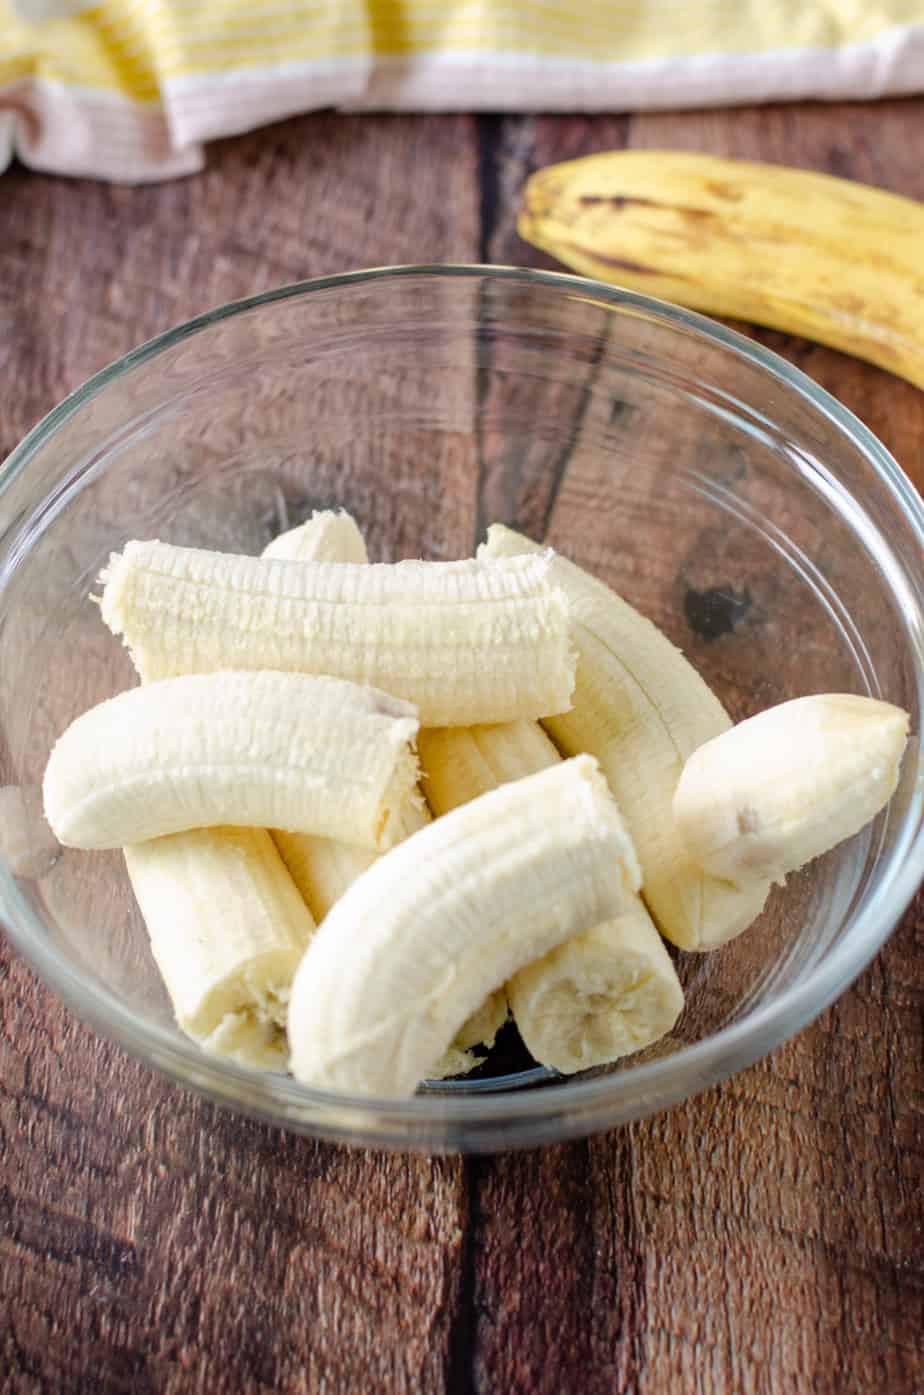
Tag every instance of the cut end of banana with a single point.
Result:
(781, 788)
(601, 996)
(257, 1040)
(330, 536)
(118, 580)
(228, 930)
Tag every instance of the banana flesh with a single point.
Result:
(785, 786)
(323, 868)
(601, 996)
(446, 917)
(228, 930)
(473, 1040)
(642, 709)
(327, 536)
(464, 641)
(227, 926)
(609, 991)
(830, 259)
(279, 750)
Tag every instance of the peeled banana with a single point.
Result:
(783, 787)
(279, 750)
(464, 641)
(227, 925)
(826, 258)
(448, 916)
(323, 868)
(642, 709)
(228, 930)
(328, 536)
(603, 994)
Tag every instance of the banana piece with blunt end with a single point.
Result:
(277, 750)
(464, 641)
(785, 786)
(603, 994)
(831, 259)
(227, 926)
(323, 868)
(447, 917)
(228, 930)
(327, 536)
(641, 708)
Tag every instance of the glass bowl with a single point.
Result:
(716, 487)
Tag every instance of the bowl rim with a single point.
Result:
(481, 1122)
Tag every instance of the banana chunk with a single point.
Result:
(279, 750)
(598, 997)
(608, 992)
(446, 917)
(464, 641)
(327, 536)
(785, 786)
(323, 868)
(228, 930)
(641, 708)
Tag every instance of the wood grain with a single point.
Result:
(149, 1242)
(763, 1238)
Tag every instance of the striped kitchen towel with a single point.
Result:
(130, 89)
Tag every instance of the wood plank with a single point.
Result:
(764, 1237)
(149, 1241)
(530, 419)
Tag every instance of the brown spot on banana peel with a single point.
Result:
(618, 202)
(720, 190)
(619, 263)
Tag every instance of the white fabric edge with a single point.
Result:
(891, 64)
(55, 128)
(58, 128)
(227, 104)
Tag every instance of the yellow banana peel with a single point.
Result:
(826, 258)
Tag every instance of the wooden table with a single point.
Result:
(766, 1236)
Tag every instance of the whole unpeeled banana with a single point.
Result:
(826, 258)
